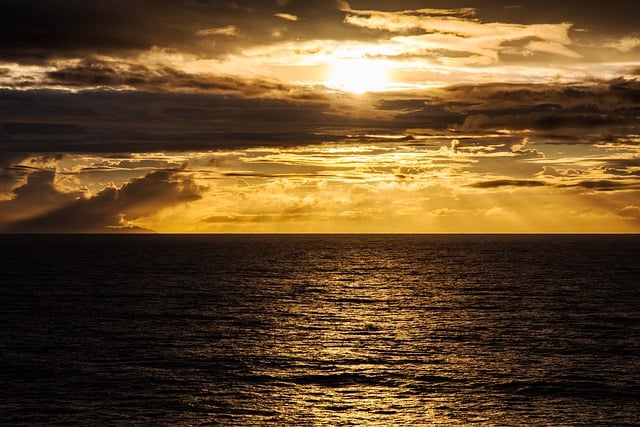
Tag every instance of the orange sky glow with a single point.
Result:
(291, 116)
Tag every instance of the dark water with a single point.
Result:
(320, 330)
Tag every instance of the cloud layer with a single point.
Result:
(220, 116)
(111, 210)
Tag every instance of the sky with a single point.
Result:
(411, 116)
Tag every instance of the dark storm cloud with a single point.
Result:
(33, 30)
(601, 95)
(596, 185)
(606, 106)
(109, 121)
(41, 29)
(39, 187)
(106, 211)
(36, 196)
(93, 72)
(622, 164)
(410, 113)
(132, 121)
(562, 112)
(605, 185)
(145, 120)
(628, 90)
(544, 121)
(509, 183)
(16, 168)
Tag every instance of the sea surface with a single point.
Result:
(313, 330)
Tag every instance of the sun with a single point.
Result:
(358, 75)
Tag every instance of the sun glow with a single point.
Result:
(359, 75)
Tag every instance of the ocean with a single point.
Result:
(320, 330)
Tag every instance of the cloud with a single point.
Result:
(228, 30)
(128, 121)
(542, 121)
(608, 107)
(606, 185)
(286, 16)
(94, 73)
(112, 209)
(458, 37)
(12, 172)
(631, 211)
(427, 20)
(625, 44)
(202, 46)
(231, 93)
(508, 183)
(35, 197)
(598, 95)
(35, 31)
(221, 115)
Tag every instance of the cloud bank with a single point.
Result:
(220, 116)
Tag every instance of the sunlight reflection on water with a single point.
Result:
(325, 330)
